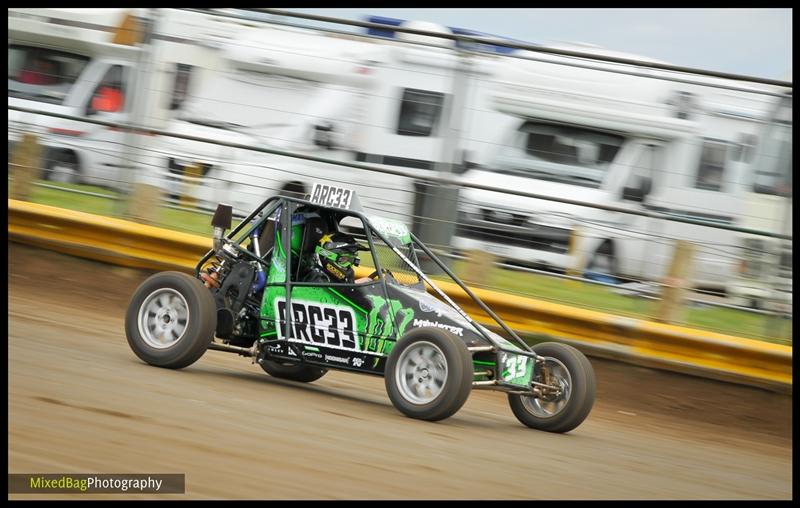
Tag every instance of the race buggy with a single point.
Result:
(252, 295)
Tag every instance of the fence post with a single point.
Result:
(575, 269)
(675, 284)
(191, 177)
(478, 268)
(24, 166)
(145, 203)
(144, 200)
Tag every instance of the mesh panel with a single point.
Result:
(389, 260)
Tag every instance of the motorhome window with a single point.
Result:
(560, 153)
(419, 112)
(711, 170)
(109, 96)
(254, 102)
(180, 90)
(773, 165)
(744, 148)
(571, 145)
(42, 74)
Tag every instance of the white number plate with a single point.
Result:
(328, 195)
(515, 369)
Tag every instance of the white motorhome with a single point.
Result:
(337, 96)
(635, 143)
(66, 61)
(764, 276)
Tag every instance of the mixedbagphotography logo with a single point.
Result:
(96, 483)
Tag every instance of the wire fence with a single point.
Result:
(515, 188)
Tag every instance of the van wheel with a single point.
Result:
(603, 264)
(63, 168)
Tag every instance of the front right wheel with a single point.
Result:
(565, 408)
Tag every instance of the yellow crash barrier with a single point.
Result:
(637, 341)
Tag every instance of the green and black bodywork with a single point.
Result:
(350, 326)
(256, 294)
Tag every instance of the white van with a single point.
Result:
(764, 275)
(64, 61)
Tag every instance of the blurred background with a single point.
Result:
(595, 177)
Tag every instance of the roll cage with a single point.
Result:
(289, 205)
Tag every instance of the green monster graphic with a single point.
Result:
(380, 325)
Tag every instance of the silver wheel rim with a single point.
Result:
(421, 372)
(549, 407)
(163, 318)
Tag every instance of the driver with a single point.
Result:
(334, 258)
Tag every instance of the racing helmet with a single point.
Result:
(337, 254)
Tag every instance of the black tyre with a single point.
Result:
(63, 167)
(603, 264)
(573, 373)
(429, 374)
(293, 371)
(171, 320)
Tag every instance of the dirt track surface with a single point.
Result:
(80, 401)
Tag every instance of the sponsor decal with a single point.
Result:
(335, 271)
(337, 359)
(390, 228)
(421, 323)
(358, 362)
(427, 307)
(380, 325)
(319, 324)
(312, 354)
(329, 195)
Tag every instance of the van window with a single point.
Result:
(42, 74)
(710, 172)
(109, 96)
(646, 168)
(419, 112)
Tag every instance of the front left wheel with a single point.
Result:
(429, 374)
(171, 320)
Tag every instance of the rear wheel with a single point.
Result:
(564, 409)
(292, 371)
(171, 320)
(429, 374)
